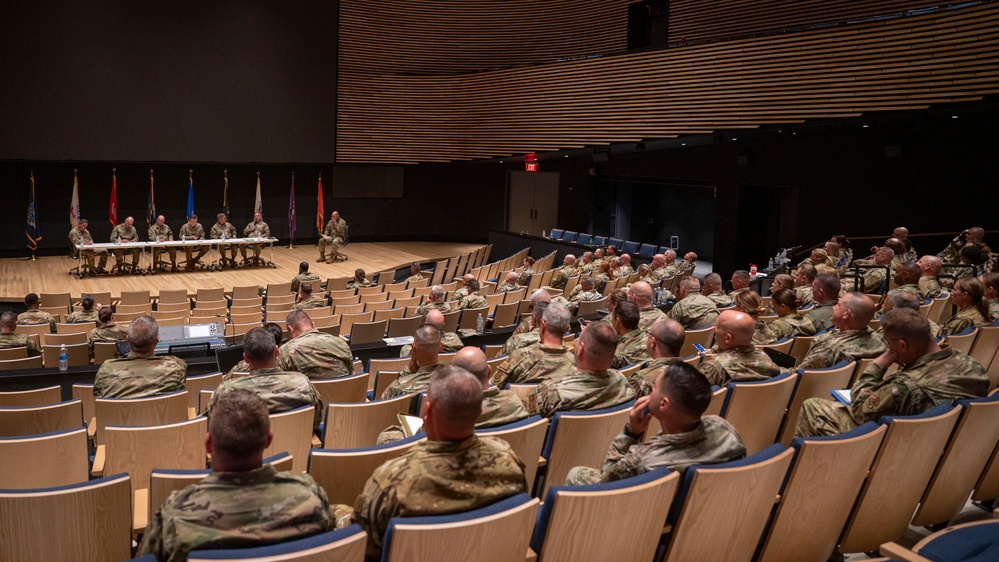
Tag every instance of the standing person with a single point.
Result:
(256, 229)
(332, 237)
(160, 231)
(80, 236)
(125, 232)
(223, 230)
(193, 231)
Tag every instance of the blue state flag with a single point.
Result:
(190, 196)
(33, 229)
(151, 203)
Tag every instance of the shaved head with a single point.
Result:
(640, 293)
(435, 318)
(473, 360)
(929, 266)
(733, 329)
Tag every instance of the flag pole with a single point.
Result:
(291, 238)
(32, 175)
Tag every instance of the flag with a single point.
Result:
(225, 193)
(190, 195)
(320, 213)
(292, 223)
(74, 204)
(258, 206)
(33, 230)
(113, 207)
(151, 203)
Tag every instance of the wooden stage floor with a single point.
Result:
(19, 277)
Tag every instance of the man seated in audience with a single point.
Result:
(546, 359)
(737, 359)
(527, 322)
(929, 272)
(663, 344)
(472, 297)
(803, 278)
(414, 272)
(569, 269)
(902, 233)
(87, 315)
(243, 367)
(280, 390)
(599, 256)
(740, 282)
(626, 268)
(586, 263)
(33, 316)
(524, 339)
(306, 299)
(8, 339)
(313, 353)
(818, 257)
(904, 299)
(303, 275)
(640, 293)
(689, 262)
(906, 278)
(825, 292)
(693, 311)
(434, 301)
(631, 345)
(463, 291)
(974, 235)
(584, 291)
(929, 376)
(509, 283)
(107, 330)
(453, 471)
(242, 502)
(594, 385)
(499, 407)
(424, 359)
(678, 400)
(713, 291)
(873, 277)
(141, 373)
(671, 267)
(852, 340)
(450, 342)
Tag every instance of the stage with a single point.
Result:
(19, 276)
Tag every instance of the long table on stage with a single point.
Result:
(147, 247)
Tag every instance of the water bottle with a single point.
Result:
(480, 324)
(544, 233)
(63, 358)
(770, 265)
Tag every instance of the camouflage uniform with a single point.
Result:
(625, 270)
(166, 233)
(582, 390)
(426, 307)
(140, 375)
(474, 300)
(35, 317)
(228, 231)
(738, 364)
(280, 390)
(713, 441)
(934, 329)
(521, 340)
(236, 510)
(559, 277)
(535, 363)
(112, 333)
(843, 345)
(435, 478)
(505, 287)
(582, 296)
(337, 231)
(720, 299)
(526, 325)
(308, 277)
(821, 315)
(994, 309)
(804, 296)
(78, 238)
(524, 276)
(693, 312)
(196, 233)
(8, 341)
(761, 333)
(872, 280)
(648, 316)
(317, 355)
(450, 343)
(643, 381)
(790, 326)
(314, 301)
(631, 349)
(410, 382)
(929, 287)
(362, 284)
(586, 268)
(967, 318)
(943, 376)
(126, 234)
(417, 277)
(82, 316)
(912, 288)
(500, 407)
(253, 229)
(459, 293)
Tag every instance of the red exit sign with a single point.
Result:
(531, 166)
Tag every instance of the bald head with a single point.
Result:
(929, 266)
(454, 403)
(712, 283)
(900, 232)
(666, 337)
(473, 360)
(856, 312)
(569, 260)
(511, 278)
(896, 245)
(734, 329)
(640, 293)
(435, 318)
(976, 234)
(467, 277)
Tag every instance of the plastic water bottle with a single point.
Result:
(63, 358)
(480, 324)
(544, 233)
(770, 265)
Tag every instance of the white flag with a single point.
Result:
(74, 205)
(258, 206)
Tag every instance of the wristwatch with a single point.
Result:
(629, 433)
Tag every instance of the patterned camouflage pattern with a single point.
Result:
(140, 375)
(410, 382)
(648, 316)
(362, 284)
(450, 343)
(805, 297)
(8, 341)
(740, 363)
(872, 280)
(631, 348)
(643, 381)
(582, 390)
(929, 287)
(994, 309)
(913, 289)
(535, 363)
(241, 367)
(693, 312)
(426, 307)
(82, 316)
(314, 301)
(35, 317)
(943, 376)
(435, 478)
(625, 270)
(237, 510)
(506, 287)
(474, 300)
(337, 232)
(524, 276)
(521, 340)
(416, 277)
(189, 233)
(586, 268)
(317, 355)
(934, 330)
(525, 325)
(112, 333)
(500, 407)
(78, 238)
(967, 318)
(253, 229)
(308, 276)
(228, 231)
(126, 234)
(582, 296)
(280, 390)
(720, 299)
(713, 441)
(459, 293)
(790, 326)
(821, 315)
(559, 277)
(843, 345)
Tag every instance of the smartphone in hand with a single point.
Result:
(699, 348)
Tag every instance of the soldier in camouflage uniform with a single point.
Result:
(33, 316)
(524, 272)
(225, 230)
(281, 390)
(140, 374)
(991, 282)
(930, 375)
(107, 331)
(88, 314)
(738, 359)
(631, 347)
(974, 235)
(464, 291)
(548, 359)
(307, 300)
(450, 342)
(594, 385)
(626, 268)
(713, 291)
(803, 278)
(524, 339)
(640, 293)
(8, 339)
(257, 228)
(160, 231)
(678, 400)
(315, 354)
(567, 270)
(584, 291)
(414, 271)
(693, 311)
(508, 284)
(825, 292)
(303, 275)
(425, 359)
(333, 236)
(852, 340)
(904, 299)
(663, 344)
(527, 322)
(360, 280)
(81, 236)
(929, 284)
(242, 503)
(788, 323)
(586, 264)
(453, 471)
(874, 277)
(193, 231)
(472, 298)
(435, 301)
(243, 367)
(125, 232)
(968, 295)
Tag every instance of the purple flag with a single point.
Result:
(291, 209)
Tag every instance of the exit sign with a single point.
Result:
(531, 166)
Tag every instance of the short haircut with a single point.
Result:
(220, 216)
(691, 284)
(539, 310)
(473, 286)
(860, 306)
(627, 313)
(300, 319)
(808, 271)
(973, 253)
(898, 299)
(473, 360)
(786, 297)
(276, 330)
(143, 331)
(9, 320)
(741, 274)
(887, 252)
(557, 318)
(239, 424)
(437, 293)
(258, 345)
(427, 335)
(587, 283)
(306, 288)
(910, 270)
(83, 221)
(713, 279)
(303, 267)
(87, 302)
(30, 300)
(415, 266)
(829, 283)
(669, 333)
(456, 396)
(688, 390)
(192, 217)
(908, 325)
(104, 314)
(600, 342)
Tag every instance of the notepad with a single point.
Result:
(842, 395)
(411, 425)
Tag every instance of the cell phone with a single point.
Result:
(699, 347)
(646, 412)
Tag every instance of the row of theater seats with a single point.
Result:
(623, 246)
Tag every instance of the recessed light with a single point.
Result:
(566, 155)
(683, 144)
(953, 116)
(501, 161)
(866, 126)
(733, 138)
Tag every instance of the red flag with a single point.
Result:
(320, 213)
(113, 207)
